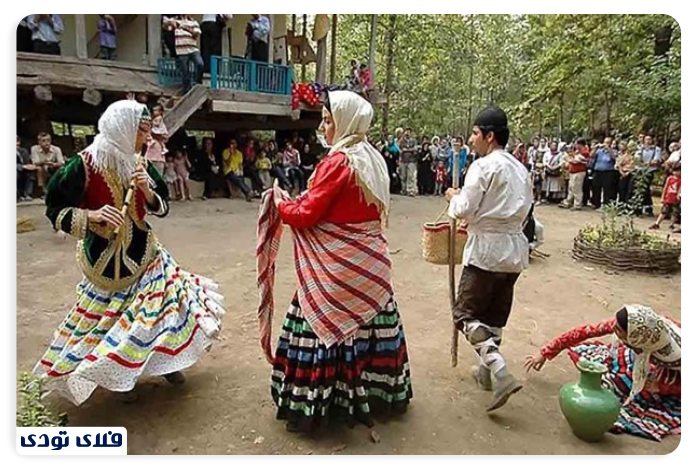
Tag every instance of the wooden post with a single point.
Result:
(607, 103)
(81, 36)
(321, 60)
(334, 27)
(391, 39)
(471, 97)
(154, 39)
(270, 40)
(229, 41)
(294, 24)
(304, 36)
(454, 342)
(373, 46)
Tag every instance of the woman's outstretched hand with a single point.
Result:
(535, 362)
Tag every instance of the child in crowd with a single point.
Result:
(671, 199)
(171, 178)
(182, 166)
(264, 165)
(157, 149)
(537, 181)
(440, 178)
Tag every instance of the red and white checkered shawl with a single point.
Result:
(343, 274)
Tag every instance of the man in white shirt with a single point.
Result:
(494, 202)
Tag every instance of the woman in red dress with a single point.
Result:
(644, 366)
(342, 351)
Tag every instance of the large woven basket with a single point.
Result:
(435, 242)
(652, 261)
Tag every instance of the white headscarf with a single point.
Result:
(352, 116)
(114, 147)
(656, 337)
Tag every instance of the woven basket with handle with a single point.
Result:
(435, 242)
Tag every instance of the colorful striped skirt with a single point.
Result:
(366, 374)
(161, 324)
(648, 415)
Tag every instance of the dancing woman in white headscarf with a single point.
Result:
(342, 350)
(137, 313)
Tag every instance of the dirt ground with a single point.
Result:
(225, 405)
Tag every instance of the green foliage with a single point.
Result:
(617, 231)
(31, 410)
(578, 72)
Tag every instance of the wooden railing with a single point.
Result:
(249, 75)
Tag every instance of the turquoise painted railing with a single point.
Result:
(233, 73)
(249, 75)
(168, 73)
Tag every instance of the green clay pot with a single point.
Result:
(590, 409)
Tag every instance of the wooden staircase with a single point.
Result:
(184, 107)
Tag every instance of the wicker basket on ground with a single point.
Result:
(664, 260)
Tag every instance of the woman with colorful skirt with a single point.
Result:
(137, 312)
(644, 367)
(342, 350)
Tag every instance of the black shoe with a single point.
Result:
(175, 378)
(131, 396)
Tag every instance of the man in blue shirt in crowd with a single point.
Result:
(605, 179)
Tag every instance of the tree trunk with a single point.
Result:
(304, 35)
(560, 116)
(591, 122)
(470, 98)
(607, 103)
(391, 39)
(334, 27)
(373, 45)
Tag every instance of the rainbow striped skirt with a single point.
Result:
(161, 324)
(367, 373)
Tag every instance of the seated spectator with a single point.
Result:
(107, 37)
(277, 165)
(233, 168)
(47, 158)
(264, 166)
(308, 160)
(250, 170)
(208, 168)
(26, 174)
